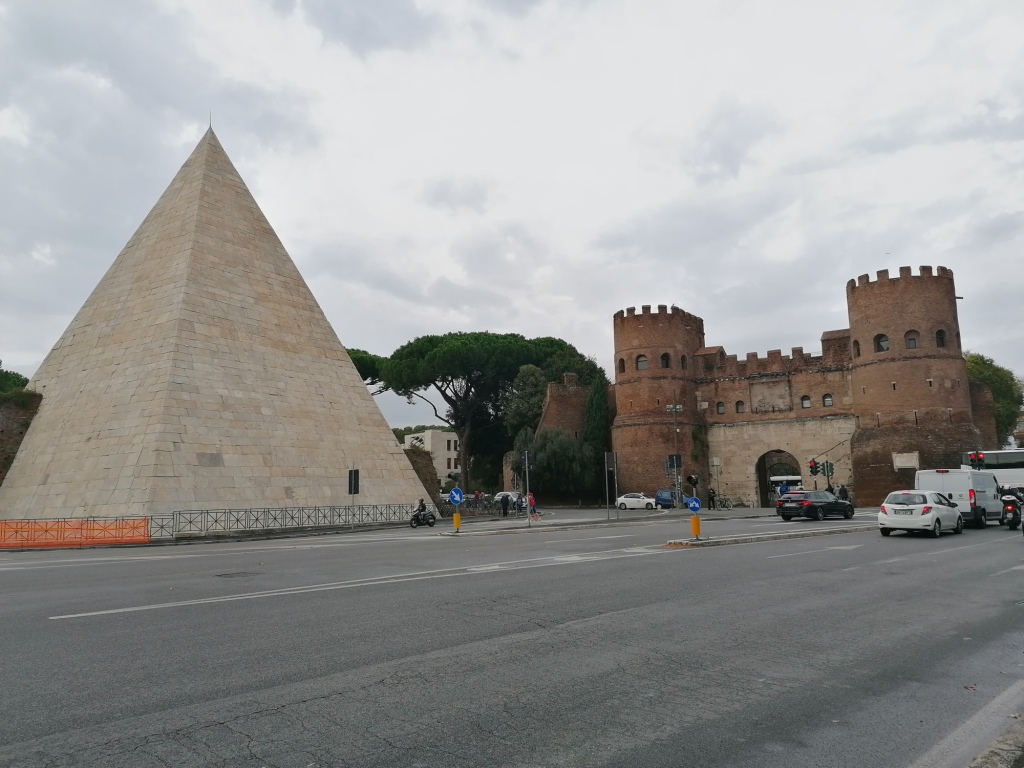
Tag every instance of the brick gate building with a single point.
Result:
(887, 395)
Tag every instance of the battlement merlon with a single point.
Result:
(670, 313)
(883, 278)
(713, 362)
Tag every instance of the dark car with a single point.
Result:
(814, 504)
(665, 499)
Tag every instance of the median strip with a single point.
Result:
(758, 537)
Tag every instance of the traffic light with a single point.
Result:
(815, 469)
(453, 476)
(692, 480)
(977, 460)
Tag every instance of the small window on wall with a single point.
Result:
(622, 365)
(805, 401)
(910, 339)
(720, 408)
(684, 362)
(741, 407)
(881, 343)
(666, 361)
(940, 338)
(826, 401)
(856, 348)
(641, 362)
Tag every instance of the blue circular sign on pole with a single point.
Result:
(455, 496)
(693, 503)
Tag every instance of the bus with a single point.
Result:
(1007, 465)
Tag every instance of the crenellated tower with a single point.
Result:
(655, 358)
(909, 380)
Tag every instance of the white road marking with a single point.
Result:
(1015, 568)
(813, 551)
(612, 554)
(591, 538)
(958, 748)
(22, 565)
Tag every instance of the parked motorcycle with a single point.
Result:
(1011, 511)
(424, 517)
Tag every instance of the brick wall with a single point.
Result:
(938, 445)
(983, 414)
(565, 407)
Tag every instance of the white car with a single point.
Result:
(635, 501)
(919, 511)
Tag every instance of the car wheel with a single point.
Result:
(981, 521)
(649, 505)
(959, 525)
(787, 518)
(1002, 518)
(848, 514)
(622, 505)
(819, 514)
(936, 530)
(885, 531)
(1013, 526)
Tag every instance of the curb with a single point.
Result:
(1004, 752)
(755, 538)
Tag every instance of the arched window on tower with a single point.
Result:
(666, 360)
(720, 408)
(741, 407)
(856, 348)
(622, 365)
(910, 339)
(684, 362)
(641, 362)
(826, 401)
(881, 343)
(805, 401)
(940, 338)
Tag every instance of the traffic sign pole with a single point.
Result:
(455, 497)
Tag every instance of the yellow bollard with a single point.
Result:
(695, 526)
(457, 519)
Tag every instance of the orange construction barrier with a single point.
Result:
(65, 532)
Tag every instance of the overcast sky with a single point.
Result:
(531, 166)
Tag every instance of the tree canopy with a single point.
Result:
(11, 380)
(1006, 391)
(475, 375)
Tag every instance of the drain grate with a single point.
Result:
(236, 575)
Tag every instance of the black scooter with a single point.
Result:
(1011, 511)
(422, 518)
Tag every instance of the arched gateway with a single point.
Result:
(775, 463)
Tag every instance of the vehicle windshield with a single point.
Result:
(906, 498)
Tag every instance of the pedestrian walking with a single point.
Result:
(504, 505)
(711, 498)
(843, 493)
(520, 504)
(784, 488)
(533, 504)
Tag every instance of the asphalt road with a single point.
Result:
(593, 646)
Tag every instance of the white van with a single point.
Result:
(975, 492)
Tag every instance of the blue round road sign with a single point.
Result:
(455, 496)
(693, 503)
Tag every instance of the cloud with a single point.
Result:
(366, 27)
(723, 144)
(457, 195)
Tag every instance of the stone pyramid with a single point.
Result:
(202, 374)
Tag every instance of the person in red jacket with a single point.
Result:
(533, 504)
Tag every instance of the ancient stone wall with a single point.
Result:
(937, 446)
(565, 407)
(738, 446)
